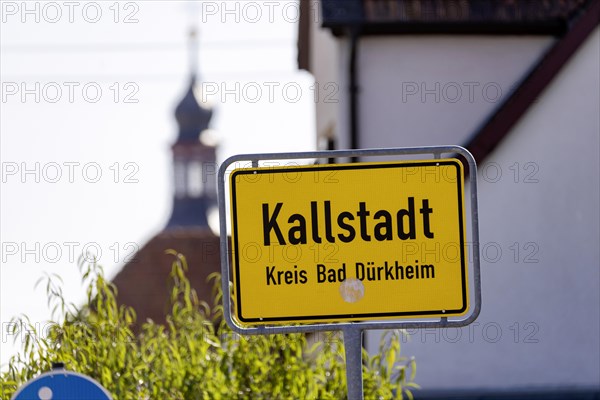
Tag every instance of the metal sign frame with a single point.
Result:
(442, 322)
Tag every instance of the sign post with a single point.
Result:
(353, 350)
(350, 246)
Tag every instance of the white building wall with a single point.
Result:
(431, 90)
(540, 320)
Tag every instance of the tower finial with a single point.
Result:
(193, 49)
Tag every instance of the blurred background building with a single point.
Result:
(517, 83)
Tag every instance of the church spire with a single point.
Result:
(194, 160)
(193, 51)
(193, 116)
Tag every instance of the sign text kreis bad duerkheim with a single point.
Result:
(349, 241)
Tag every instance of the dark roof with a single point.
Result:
(143, 283)
(191, 116)
(450, 16)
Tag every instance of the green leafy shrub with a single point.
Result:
(194, 355)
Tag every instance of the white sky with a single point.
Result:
(57, 47)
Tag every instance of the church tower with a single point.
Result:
(143, 282)
(194, 159)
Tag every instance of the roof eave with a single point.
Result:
(556, 27)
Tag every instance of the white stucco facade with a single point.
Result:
(431, 90)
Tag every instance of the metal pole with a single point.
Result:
(353, 350)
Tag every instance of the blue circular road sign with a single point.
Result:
(61, 385)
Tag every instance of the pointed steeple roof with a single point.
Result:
(192, 117)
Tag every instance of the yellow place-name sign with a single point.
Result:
(349, 242)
